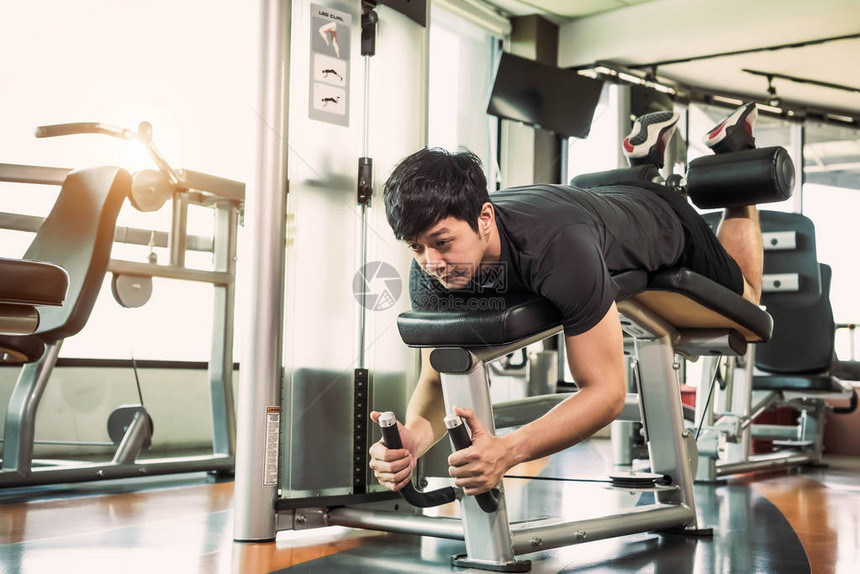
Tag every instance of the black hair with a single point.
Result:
(430, 185)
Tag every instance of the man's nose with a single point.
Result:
(433, 260)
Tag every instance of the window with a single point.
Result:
(119, 63)
(462, 68)
(831, 164)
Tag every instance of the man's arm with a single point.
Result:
(596, 360)
(425, 414)
(425, 425)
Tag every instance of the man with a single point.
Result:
(562, 243)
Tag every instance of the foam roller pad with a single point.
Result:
(740, 178)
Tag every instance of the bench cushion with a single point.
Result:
(32, 283)
(683, 298)
(796, 383)
(472, 324)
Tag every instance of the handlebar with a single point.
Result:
(391, 438)
(852, 406)
(177, 180)
(143, 135)
(85, 128)
(488, 501)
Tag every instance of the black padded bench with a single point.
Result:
(686, 300)
(24, 286)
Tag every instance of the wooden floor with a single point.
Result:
(184, 524)
(823, 508)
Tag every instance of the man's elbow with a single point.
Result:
(617, 403)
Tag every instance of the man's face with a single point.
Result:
(449, 251)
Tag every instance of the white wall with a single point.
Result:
(78, 401)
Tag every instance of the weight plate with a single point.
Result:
(120, 419)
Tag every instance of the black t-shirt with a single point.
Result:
(563, 242)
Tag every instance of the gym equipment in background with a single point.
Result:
(77, 237)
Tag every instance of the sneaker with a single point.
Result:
(646, 143)
(735, 133)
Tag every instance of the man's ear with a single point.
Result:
(486, 218)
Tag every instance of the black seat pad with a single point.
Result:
(796, 383)
(520, 315)
(19, 349)
(32, 283)
(523, 315)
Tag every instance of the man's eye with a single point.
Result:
(443, 243)
(414, 247)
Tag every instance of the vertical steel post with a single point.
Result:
(265, 211)
(221, 355)
(488, 536)
(179, 229)
(741, 404)
(660, 399)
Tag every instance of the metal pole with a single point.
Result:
(396, 522)
(536, 537)
(260, 374)
(221, 354)
(362, 242)
(20, 425)
(178, 229)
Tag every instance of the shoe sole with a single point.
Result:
(647, 131)
(742, 118)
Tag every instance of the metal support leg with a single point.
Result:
(741, 399)
(21, 413)
(488, 536)
(660, 397)
(708, 439)
(135, 438)
(221, 356)
(811, 429)
(624, 434)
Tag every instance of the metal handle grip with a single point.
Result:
(850, 408)
(488, 501)
(391, 439)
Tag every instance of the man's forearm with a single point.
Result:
(569, 423)
(425, 415)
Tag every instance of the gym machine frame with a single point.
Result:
(185, 187)
(727, 417)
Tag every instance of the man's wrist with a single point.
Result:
(515, 444)
(422, 434)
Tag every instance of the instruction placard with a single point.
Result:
(273, 429)
(329, 77)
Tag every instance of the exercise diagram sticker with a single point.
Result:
(329, 77)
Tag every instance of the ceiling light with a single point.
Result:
(630, 78)
(770, 108)
(726, 100)
(840, 118)
(661, 88)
